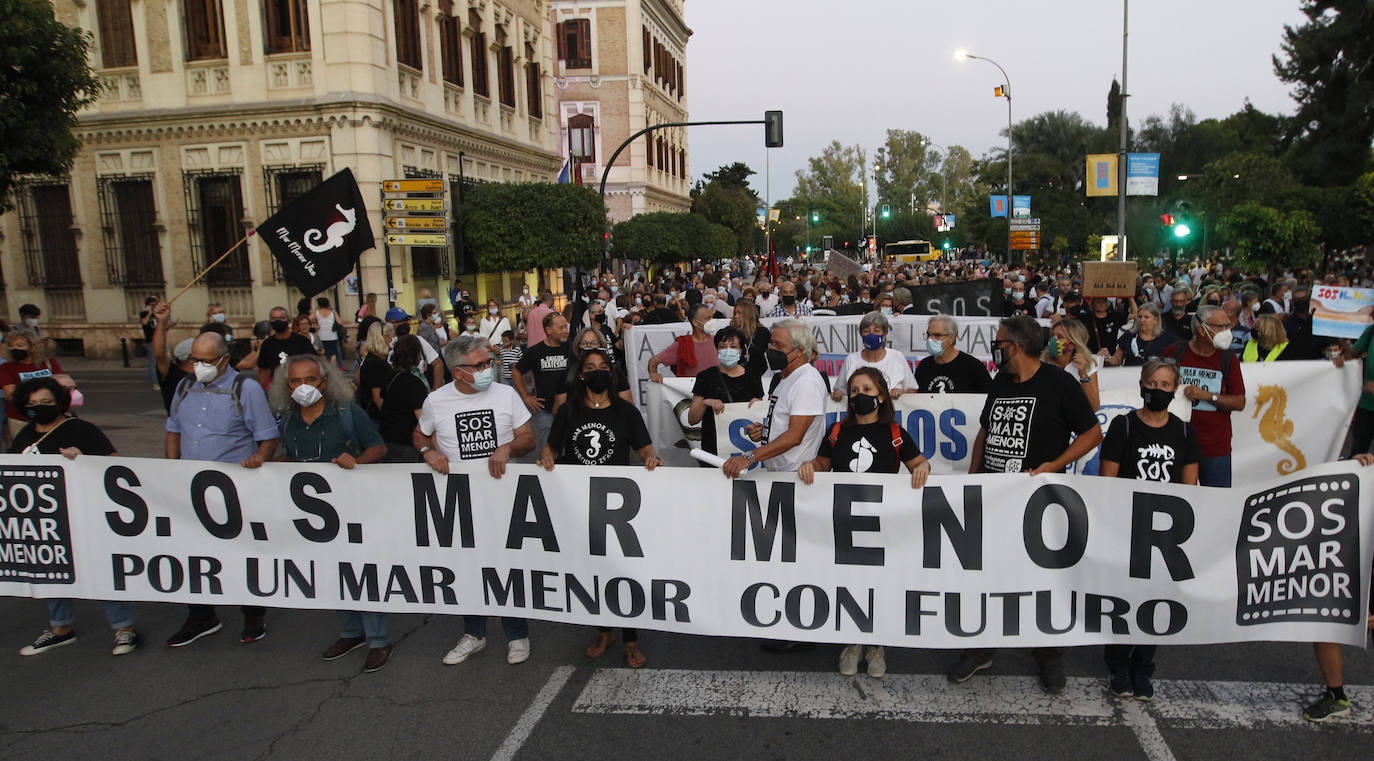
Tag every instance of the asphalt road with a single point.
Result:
(698, 698)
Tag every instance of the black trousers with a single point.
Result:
(207, 612)
(1362, 432)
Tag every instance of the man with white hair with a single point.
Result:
(948, 370)
(791, 432)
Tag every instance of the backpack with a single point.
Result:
(235, 392)
(345, 410)
(896, 438)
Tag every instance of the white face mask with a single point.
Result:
(306, 395)
(32, 322)
(1222, 339)
(492, 310)
(206, 371)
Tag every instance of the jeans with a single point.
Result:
(541, 421)
(514, 628)
(119, 614)
(1214, 471)
(371, 625)
(152, 365)
(333, 349)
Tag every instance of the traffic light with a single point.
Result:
(1166, 220)
(815, 216)
(946, 245)
(1182, 230)
(772, 129)
(887, 211)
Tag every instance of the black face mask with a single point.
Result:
(597, 381)
(42, 414)
(19, 355)
(1156, 399)
(777, 360)
(863, 404)
(403, 329)
(600, 319)
(789, 299)
(1000, 358)
(1302, 307)
(279, 326)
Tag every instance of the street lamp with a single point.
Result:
(1006, 93)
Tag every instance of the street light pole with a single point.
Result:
(1125, 147)
(1006, 93)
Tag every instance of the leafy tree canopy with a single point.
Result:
(527, 226)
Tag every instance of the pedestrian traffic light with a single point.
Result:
(1182, 230)
(772, 129)
(887, 211)
(946, 245)
(815, 216)
(1166, 220)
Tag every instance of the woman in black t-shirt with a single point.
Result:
(403, 396)
(52, 430)
(597, 427)
(715, 387)
(867, 441)
(1149, 444)
(373, 372)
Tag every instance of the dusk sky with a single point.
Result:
(850, 70)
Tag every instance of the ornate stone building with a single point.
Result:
(221, 111)
(622, 67)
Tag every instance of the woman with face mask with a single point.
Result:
(873, 332)
(493, 324)
(52, 430)
(597, 427)
(715, 387)
(403, 396)
(1148, 444)
(28, 359)
(319, 424)
(1068, 350)
(868, 440)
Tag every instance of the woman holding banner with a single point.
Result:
(715, 387)
(868, 440)
(597, 427)
(1149, 444)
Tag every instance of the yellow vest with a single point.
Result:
(1251, 352)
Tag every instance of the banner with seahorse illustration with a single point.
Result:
(1296, 415)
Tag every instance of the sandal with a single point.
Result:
(633, 657)
(598, 647)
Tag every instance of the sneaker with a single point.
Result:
(343, 646)
(126, 640)
(1144, 688)
(1327, 707)
(254, 629)
(1052, 679)
(193, 630)
(468, 645)
(1119, 684)
(377, 658)
(47, 641)
(877, 662)
(972, 662)
(518, 651)
(849, 659)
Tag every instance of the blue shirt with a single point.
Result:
(208, 426)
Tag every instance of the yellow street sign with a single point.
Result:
(417, 223)
(417, 240)
(413, 186)
(413, 204)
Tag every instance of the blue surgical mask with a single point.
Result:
(935, 346)
(886, 310)
(873, 341)
(482, 379)
(217, 317)
(728, 357)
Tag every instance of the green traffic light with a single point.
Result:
(1182, 230)
(946, 245)
(815, 217)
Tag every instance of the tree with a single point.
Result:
(835, 179)
(1267, 239)
(666, 237)
(1329, 60)
(906, 168)
(533, 226)
(1363, 199)
(44, 82)
(1239, 177)
(724, 197)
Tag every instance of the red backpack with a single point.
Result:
(896, 438)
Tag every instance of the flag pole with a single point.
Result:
(221, 258)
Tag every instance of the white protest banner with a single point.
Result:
(967, 561)
(1295, 415)
(1341, 312)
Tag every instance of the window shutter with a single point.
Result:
(561, 36)
(584, 39)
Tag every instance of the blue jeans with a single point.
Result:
(1214, 471)
(372, 625)
(514, 628)
(541, 422)
(333, 349)
(152, 365)
(119, 614)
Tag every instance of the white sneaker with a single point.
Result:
(849, 659)
(877, 662)
(518, 651)
(125, 641)
(466, 646)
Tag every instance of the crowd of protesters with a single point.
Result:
(555, 381)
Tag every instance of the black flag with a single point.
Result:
(318, 237)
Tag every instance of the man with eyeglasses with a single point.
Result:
(219, 415)
(474, 418)
(1212, 381)
(948, 370)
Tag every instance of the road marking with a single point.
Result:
(931, 698)
(530, 718)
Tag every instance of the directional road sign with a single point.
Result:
(413, 186)
(417, 223)
(412, 239)
(413, 204)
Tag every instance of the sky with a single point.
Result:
(851, 70)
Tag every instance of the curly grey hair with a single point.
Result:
(337, 386)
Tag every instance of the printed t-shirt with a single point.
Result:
(549, 364)
(1146, 453)
(472, 426)
(586, 436)
(801, 393)
(1032, 422)
(868, 448)
(965, 374)
(14, 373)
(1213, 425)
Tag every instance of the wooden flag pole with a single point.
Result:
(221, 258)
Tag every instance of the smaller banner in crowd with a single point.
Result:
(967, 561)
(1341, 312)
(968, 298)
(1142, 174)
(318, 237)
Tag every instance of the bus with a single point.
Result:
(910, 252)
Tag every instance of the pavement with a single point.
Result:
(698, 697)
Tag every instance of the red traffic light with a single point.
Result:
(1166, 219)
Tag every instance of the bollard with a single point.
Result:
(124, 350)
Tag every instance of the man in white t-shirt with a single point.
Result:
(791, 433)
(766, 299)
(475, 418)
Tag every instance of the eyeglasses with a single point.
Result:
(479, 365)
(938, 336)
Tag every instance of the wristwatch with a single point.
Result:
(1215, 396)
(749, 455)
(425, 449)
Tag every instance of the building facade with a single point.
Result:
(219, 112)
(622, 67)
